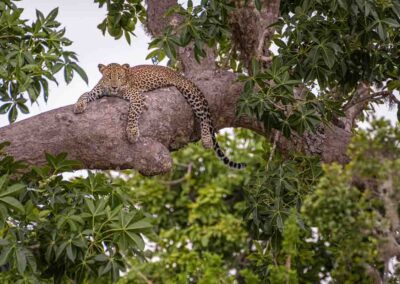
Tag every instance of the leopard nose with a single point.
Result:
(114, 88)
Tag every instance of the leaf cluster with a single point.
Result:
(270, 97)
(275, 190)
(57, 229)
(30, 55)
(122, 17)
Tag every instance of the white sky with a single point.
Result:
(81, 18)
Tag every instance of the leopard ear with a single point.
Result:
(126, 66)
(101, 68)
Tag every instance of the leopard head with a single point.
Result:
(114, 77)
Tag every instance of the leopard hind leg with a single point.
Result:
(136, 104)
(199, 105)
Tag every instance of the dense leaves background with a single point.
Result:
(52, 228)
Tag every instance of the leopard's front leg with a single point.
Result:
(136, 104)
(96, 93)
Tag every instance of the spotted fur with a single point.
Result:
(130, 82)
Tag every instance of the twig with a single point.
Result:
(373, 96)
(261, 43)
(266, 59)
(177, 181)
(288, 267)
(271, 155)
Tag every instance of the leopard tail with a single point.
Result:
(221, 155)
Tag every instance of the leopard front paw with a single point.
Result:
(132, 134)
(80, 106)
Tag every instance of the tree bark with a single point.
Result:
(97, 137)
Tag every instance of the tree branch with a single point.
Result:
(251, 32)
(157, 23)
(97, 137)
(357, 104)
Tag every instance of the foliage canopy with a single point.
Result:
(286, 219)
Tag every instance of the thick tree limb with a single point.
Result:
(97, 137)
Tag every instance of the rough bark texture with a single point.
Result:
(97, 137)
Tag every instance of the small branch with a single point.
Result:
(261, 44)
(373, 274)
(178, 181)
(356, 105)
(368, 98)
(157, 23)
(34, 247)
(266, 59)
(271, 155)
(288, 267)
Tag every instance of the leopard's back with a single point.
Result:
(151, 77)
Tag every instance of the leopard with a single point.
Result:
(129, 83)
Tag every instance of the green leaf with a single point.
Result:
(257, 3)
(152, 54)
(279, 222)
(90, 205)
(21, 261)
(11, 189)
(381, 31)
(13, 114)
(80, 71)
(68, 73)
(139, 225)
(328, 56)
(101, 258)
(39, 15)
(104, 269)
(71, 253)
(5, 254)
(31, 261)
(394, 85)
(391, 22)
(127, 37)
(3, 180)
(60, 249)
(280, 43)
(52, 15)
(12, 202)
(137, 239)
(23, 108)
(5, 107)
(57, 67)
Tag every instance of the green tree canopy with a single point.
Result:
(308, 208)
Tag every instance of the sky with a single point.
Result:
(81, 17)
